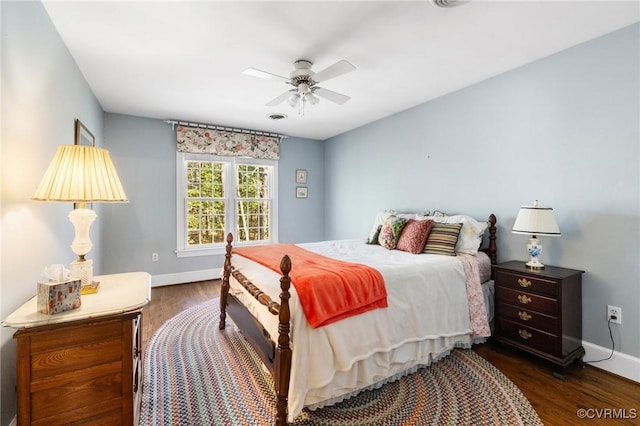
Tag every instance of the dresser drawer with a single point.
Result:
(527, 283)
(534, 302)
(69, 349)
(528, 336)
(528, 317)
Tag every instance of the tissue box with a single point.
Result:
(56, 297)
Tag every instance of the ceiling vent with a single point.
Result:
(449, 3)
(277, 116)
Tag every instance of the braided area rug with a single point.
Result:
(196, 375)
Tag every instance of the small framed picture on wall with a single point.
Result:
(301, 192)
(301, 176)
(82, 135)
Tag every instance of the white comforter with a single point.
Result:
(428, 315)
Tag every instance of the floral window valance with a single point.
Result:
(197, 140)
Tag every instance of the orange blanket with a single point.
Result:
(328, 289)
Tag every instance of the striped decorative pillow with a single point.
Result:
(442, 239)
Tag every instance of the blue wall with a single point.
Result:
(43, 92)
(564, 130)
(301, 219)
(144, 151)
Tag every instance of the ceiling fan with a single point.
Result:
(304, 82)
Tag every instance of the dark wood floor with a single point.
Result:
(604, 395)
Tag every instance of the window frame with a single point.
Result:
(230, 182)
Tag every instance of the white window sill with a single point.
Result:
(219, 250)
(201, 252)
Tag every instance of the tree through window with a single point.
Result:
(222, 195)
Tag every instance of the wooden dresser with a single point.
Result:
(540, 311)
(83, 366)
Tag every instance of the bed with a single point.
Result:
(434, 304)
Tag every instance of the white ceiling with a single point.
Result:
(184, 59)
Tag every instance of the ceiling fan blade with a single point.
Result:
(281, 98)
(331, 95)
(339, 68)
(263, 74)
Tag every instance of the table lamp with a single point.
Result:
(535, 220)
(81, 174)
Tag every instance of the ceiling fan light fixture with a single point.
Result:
(293, 100)
(303, 89)
(311, 98)
(304, 82)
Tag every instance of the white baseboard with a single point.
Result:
(185, 277)
(621, 364)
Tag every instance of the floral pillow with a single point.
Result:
(414, 236)
(381, 216)
(390, 232)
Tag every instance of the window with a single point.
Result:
(218, 195)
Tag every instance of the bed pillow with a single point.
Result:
(442, 239)
(413, 236)
(373, 238)
(471, 233)
(381, 216)
(406, 215)
(390, 232)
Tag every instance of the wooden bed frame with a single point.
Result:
(277, 357)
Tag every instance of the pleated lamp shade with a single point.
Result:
(81, 174)
(536, 220)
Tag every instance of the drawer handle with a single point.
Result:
(524, 315)
(524, 334)
(524, 282)
(524, 299)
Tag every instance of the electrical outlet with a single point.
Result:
(154, 257)
(614, 312)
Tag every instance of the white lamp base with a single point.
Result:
(535, 250)
(82, 270)
(81, 219)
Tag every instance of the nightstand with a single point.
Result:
(540, 311)
(83, 366)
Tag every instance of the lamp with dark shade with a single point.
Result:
(81, 174)
(535, 220)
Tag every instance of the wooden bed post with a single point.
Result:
(283, 352)
(225, 283)
(493, 249)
